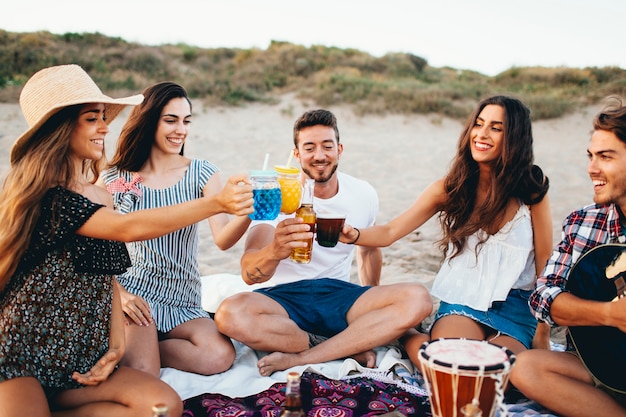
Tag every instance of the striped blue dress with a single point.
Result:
(164, 270)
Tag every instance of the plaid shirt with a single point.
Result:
(583, 230)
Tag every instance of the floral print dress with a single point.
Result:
(55, 311)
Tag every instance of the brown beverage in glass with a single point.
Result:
(329, 227)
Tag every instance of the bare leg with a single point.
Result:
(381, 315)
(454, 326)
(367, 358)
(196, 346)
(458, 326)
(142, 348)
(542, 336)
(127, 392)
(508, 342)
(560, 382)
(412, 341)
(23, 397)
(261, 323)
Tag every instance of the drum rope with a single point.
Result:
(499, 376)
(455, 385)
(478, 384)
(500, 393)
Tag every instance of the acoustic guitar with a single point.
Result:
(600, 275)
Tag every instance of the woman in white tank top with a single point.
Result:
(497, 231)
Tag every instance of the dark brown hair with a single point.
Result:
(137, 136)
(315, 118)
(514, 175)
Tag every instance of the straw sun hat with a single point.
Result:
(51, 89)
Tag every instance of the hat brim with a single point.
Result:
(112, 108)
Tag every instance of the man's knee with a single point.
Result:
(415, 301)
(231, 315)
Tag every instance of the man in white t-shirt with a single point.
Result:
(312, 313)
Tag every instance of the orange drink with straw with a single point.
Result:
(290, 188)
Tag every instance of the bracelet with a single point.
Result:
(358, 235)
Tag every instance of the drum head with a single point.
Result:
(465, 354)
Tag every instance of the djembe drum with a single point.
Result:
(465, 373)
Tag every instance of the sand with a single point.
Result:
(398, 154)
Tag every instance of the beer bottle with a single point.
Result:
(306, 212)
(293, 400)
(160, 410)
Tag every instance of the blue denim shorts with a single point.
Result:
(511, 317)
(317, 305)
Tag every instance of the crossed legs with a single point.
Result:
(379, 316)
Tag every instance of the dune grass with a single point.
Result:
(325, 75)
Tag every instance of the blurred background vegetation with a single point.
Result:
(328, 76)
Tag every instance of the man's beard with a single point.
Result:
(321, 179)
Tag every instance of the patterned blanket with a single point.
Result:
(330, 389)
(325, 397)
(321, 396)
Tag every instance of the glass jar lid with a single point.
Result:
(285, 170)
(263, 173)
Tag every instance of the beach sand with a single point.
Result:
(398, 154)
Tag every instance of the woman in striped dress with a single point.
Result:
(167, 326)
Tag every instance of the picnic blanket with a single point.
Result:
(330, 389)
(321, 396)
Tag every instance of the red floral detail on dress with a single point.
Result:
(120, 185)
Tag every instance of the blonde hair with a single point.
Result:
(45, 164)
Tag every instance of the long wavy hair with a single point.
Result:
(513, 175)
(137, 135)
(45, 164)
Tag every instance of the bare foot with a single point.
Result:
(277, 361)
(367, 358)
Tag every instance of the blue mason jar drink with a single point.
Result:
(267, 197)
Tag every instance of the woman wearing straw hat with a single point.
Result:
(161, 290)
(61, 322)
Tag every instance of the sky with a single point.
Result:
(488, 36)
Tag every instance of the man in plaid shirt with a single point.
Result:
(559, 380)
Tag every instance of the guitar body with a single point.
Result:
(600, 275)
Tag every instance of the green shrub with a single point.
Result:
(324, 75)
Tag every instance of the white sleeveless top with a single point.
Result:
(504, 262)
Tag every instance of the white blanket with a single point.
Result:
(243, 378)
